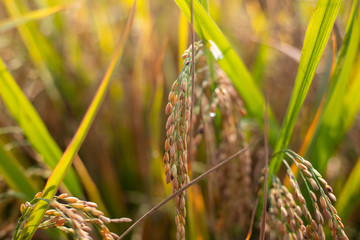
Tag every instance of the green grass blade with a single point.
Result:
(342, 101)
(349, 196)
(205, 4)
(34, 129)
(183, 36)
(352, 98)
(102, 27)
(232, 65)
(66, 159)
(317, 35)
(30, 16)
(15, 176)
(45, 57)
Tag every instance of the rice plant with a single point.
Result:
(242, 124)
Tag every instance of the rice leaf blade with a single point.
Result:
(342, 102)
(183, 35)
(32, 125)
(349, 196)
(31, 16)
(14, 174)
(317, 35)
(44, 56)
(72, 149)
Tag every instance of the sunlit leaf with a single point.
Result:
(30, 16)
(349, 196)
(340, 109)
(67, 158)
(317, 35)
(33, 127)
(15, 176)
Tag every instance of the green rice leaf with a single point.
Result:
(44, 56)
(15, 176)
(317, 35)
(33, 127)
(31, 16)
(342, 102)
(349, 197)
(66, 160)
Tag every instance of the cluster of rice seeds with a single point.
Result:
(285, 213)
(74, 216)
(325, 199)
(177, 135)
(313, 228)
(202, 111)
(201, 102)
(234, 181)
(237, 173)
(230, 105)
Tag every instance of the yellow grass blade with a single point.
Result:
(31, 16)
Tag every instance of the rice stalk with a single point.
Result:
(232, 186)
(176, 143)
(226, 104)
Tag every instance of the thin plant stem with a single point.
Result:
(252, 219)
(192, 79)
(266, 131)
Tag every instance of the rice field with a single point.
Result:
(179, 119)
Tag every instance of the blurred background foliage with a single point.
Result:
(57, 51)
